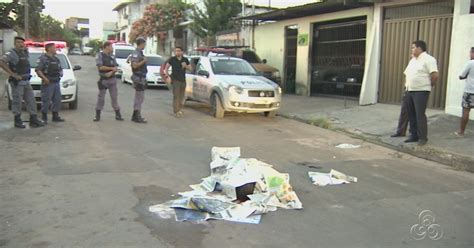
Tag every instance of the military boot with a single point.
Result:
(118, 116)
(97, 115)
(57, 118)
(139, 118)
(34, 122)
(18, 122)
(44, 117)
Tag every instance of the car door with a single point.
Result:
(127, 70)
(200, 83)
(190, 77)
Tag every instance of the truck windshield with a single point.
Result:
(122, 53)
(154, 61)
(251, 57)
(232, 67)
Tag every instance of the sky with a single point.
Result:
(99, 11)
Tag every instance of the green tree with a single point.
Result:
(214, 16)
(158, 18)
(71, 38)
(13, 13)
(50, 28)
(8, 12)
(95, 44)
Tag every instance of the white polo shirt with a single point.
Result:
(418, 72)
(469, 73)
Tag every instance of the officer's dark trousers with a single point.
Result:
(51, 93)
(139, 83)
(178, 95)
(417, 102)
(403, 119)
(23, 92)
(111, 85)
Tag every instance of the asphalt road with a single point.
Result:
(87, 184)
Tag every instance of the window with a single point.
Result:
(122, 53)
(200, 67)
(154, 61)
(232, 67)
(251, 57)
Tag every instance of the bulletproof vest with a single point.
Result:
(52, 68)
(142, 70)
(23, 67)
(108, 61)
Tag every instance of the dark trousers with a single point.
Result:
(178, 95)
(403, 119)
(51, 93)
(417, 102)
(139, 83)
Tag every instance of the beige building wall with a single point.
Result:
(270, 45)
(461, 42)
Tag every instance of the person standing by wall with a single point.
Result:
(468, 96)
(421, 76)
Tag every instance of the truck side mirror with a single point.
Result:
(203, 73)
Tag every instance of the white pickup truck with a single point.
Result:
(231, 84)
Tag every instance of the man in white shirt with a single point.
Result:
(421, 75)
(468, 97)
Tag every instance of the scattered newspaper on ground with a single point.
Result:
(238, 190)
(334, 177)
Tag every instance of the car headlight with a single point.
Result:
(236, 89)
(68, 83)
(280, 91)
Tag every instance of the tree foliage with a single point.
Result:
(158, 19)
(96, 45)
(13, 14)
(50, 28)
(215, 16)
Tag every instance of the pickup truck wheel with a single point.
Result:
(270, 114)
(217, 109)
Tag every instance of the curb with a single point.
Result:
(457, 161)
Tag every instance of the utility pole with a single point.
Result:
(27, 19)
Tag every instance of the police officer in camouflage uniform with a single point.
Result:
(138, 63)
(15, 63)
(50, 71)
(107, 66)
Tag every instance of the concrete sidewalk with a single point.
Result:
(375, 123)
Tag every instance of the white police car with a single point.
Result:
(121, 51)
(153, 66)
(233, 85)
(69, 83)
